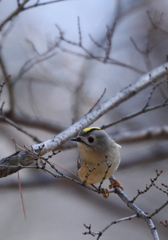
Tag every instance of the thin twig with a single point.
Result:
(156, 20)
(35, 123)
(33, 46)
(100, 233)
(148, 187)
(96, 43)
(97, 101)
(135, 114)
(7, 79)
(161, 189)
(19, 128)
(32, 62)
(89, 55)
(165, 223)
(159, 209)
(13, 14)
(20, 190)
(21, 7)
(79, 32)
(1, 86)
(19, 183)
(109, 36)
(37, 4)
(152, 92)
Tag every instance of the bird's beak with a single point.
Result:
(77, 139)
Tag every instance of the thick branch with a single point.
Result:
(98, 111)
(101, 109)
(14, 163)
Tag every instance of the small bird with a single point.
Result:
(99, 156)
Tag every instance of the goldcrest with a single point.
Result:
(99, 155)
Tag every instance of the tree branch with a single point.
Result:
(138, 211)
(34, 122)
(14, 14)
(128, 92)
(152, 133)
(19, 128)
(21, 7)
(101, 109)
(89, 55)
(14, 163)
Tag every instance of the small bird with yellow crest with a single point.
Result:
(99, 155)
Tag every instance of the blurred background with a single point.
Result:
(56, 81)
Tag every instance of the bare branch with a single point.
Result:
(21, 7)
(100, 233)
(152, 133)
(96, 43)
(136, 46)
(77, 94)
(159, 209)
(32, 62)
(21, 195)
(128, 92)
(3, 34)
(89, 55)
(79, 32)
(35, 123)
(165, 223)
(156, 20)
(37, 4)
(161, 189)
(138, 212)
(148, 187)
(14, 13)
(14, 163)
(2, 85)
(11, 165)
(7, 79)
(7, 120)
(98, 101)
(99, 110)
(37, 59)
(109, 36)
(33, 46)
(144, 110)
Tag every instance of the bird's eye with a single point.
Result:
(90, 139)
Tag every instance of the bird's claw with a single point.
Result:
(105, 192)
(115, 183)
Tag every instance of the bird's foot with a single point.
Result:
(105, 192)
(114, 183)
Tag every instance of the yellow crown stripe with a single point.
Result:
(90, 128)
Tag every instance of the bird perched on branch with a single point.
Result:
(99, 156)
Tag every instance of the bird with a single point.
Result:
(99, 156)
